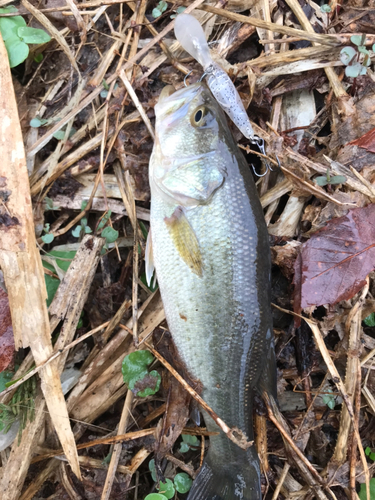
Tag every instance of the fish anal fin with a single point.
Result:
(185, 240)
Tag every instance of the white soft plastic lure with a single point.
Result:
(190, 34)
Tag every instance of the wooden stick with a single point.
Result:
(117, 447)
(108, 440)
(129, 436)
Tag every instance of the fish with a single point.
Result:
(208, 243)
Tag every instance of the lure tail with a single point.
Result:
(237, 479)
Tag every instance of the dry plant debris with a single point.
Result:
(74, 205)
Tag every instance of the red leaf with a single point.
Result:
(367, 141)
(6, 332)
(337, 259)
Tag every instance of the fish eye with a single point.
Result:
(198, 117)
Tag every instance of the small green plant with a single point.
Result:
(38, 58)
(17, 35)
(21, 407)
(179, 10)
(362, 492)
(326, 8)
(5, 377)
(38, 122)
(63, 260)
(47, 237)
(103, 221)
(108, 232)
(356, 60)
(328, 180)
(166, 489)
(48, 205)
(158, 11)
(136, 375)
(151, 466)
(104, 93)
(370, 454)
(60, 134)
(80, 321)
(329, 399)
(110, 236)
(370, 320)
(181, 483)
(82, 229)
(188, 442)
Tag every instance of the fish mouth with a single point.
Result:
(174, 103)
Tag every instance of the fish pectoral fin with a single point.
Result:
(149, 259)
(185, 240)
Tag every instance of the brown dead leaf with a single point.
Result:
(355, 156)
(6, 332)
(356, 124)
(337, 259)
(366, 141)
(319, 216)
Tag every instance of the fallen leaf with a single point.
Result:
(321, 216)
(6, 332)
(356, 124)
(334, 263)
(366, 141)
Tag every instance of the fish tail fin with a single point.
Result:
(239, 480)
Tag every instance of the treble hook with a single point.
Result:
(187, 76)
(207, 72)
(203, 76)
(260, 143)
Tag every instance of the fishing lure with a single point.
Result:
(189, 33)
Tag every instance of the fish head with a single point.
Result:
(187, 166)
(187, 122)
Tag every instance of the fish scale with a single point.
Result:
(220, 320)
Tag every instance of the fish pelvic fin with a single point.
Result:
(149, 259)
(238, 480)
(185, 240)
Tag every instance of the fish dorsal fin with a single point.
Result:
(185, 240)
(149, 259)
